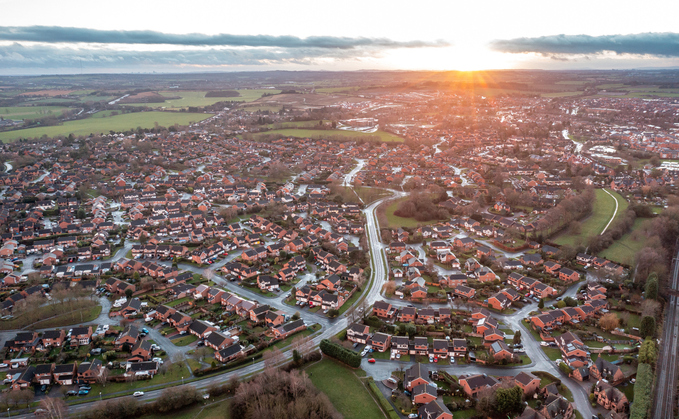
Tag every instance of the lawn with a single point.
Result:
(344, 389)
(104, 125)
(552, 353)
(51, 320)
(30, 112)
(175, 374)
(395, 221)
(323, 134)
(186, 340)
(602, 211)
(625, 249)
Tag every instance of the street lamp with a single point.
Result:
(182, 380)
(100, 396)
(8, 415)
(253, 361)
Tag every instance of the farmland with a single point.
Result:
(29, 112)
(104, 125)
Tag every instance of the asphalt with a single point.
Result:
(664, 402)
(330, 327)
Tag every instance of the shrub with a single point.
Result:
(340, 353)
(642, 392)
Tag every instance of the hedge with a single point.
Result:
(642, 392)
(386, 406)
(340, 353)
(230, 365)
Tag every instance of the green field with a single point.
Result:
(104, 125)
(561, 94)
(344, 389)
(188, 99)
(625, 249)
(321, 134)
(30, 112)
(394, 221)
(602, 211)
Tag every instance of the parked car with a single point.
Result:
(138, 393)
(88, 388)
(371, 360)
(83, 392)
(72, 393)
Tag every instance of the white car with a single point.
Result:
(138, 393)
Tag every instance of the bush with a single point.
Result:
(647, 327)
(642, 392)
(340, 353)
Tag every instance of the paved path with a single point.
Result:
(614, 212)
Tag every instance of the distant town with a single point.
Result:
(358, 245)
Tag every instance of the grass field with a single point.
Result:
(188, 99)
(625, 249)
(53, 317)
(602, 211)
(104, 125)
(344, 389)
(30, 112)
(320, 134)
(185, 340)
(561, 94)
(395, 221)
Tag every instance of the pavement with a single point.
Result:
(330, 327)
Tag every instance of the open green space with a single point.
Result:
(625, 249)
(175, 374)
(50, 319)
(561, 94)
(104, 125)
(186, 340)
(394, 221)
(602, 211)
(30, 112)
(322, 134)
(344, 389)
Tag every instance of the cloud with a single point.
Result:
(47, 57)
(662, 44)
(58, 34)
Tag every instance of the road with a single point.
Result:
(664, 404)
(331, 327)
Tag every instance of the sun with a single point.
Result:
(458, 57)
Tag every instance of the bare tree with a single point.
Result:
(55, 408)
(102, 378)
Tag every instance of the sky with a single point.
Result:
(73, 36)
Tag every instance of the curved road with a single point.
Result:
(330, 327)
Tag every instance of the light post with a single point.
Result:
(182, 380)
(8, 415)
(253, 361)
(100, 396)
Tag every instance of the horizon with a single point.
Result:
(438, 36)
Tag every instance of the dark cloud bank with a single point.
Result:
(664, 44)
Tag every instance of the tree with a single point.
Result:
(647, 327)
(143, 238)
(81, 214)
(609, 321)
(652, 286)
(647, 352)
(55, 408)
(517, 337)
(509, 400)
(129, 292)
(571, 302)
(541, 304)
